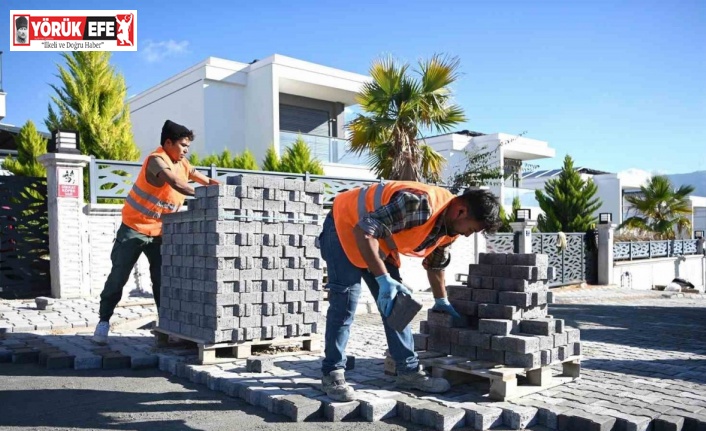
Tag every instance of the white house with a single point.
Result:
(508, 152)
(612, 190)
(698, 215)
(611, 187)
(254, 105)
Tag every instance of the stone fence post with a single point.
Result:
(524, 228)
(606, 234)
(65, 207)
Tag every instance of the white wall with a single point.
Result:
(185, 105)
(262, 111)
(698, 215)
(462, 254)
(646, 273)
(224, 119)
(348, 171)
(451, 147)
(610, 194)
(102, 222)
(699, 219)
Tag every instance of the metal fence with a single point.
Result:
(24, 237)
(500, 243)
(650, 249)
(112, 179)
(574, 263)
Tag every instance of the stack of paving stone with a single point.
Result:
(503, 306)
(242, 264)
(78, 351)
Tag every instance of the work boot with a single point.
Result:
(336, 387)
(100, 336)
(419, 380)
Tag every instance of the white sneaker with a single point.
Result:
(100, 336)
(336, 387)
(423, 382)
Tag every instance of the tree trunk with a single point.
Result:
(404, 168)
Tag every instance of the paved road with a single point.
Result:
(645, 357)
(36, 398)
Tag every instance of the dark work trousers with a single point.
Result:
(128, 246)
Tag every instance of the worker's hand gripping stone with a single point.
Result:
(403, 311)
(389, 288)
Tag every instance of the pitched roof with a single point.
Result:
(550, 173)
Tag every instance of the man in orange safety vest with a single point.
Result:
(363, 237)
(160, 188)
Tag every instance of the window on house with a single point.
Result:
(304, 120)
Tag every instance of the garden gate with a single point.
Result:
(24, 237)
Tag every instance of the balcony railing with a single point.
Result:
(327, 149)
(527, 197)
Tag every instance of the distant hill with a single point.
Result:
(696, 179)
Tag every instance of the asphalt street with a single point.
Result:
(33, 398)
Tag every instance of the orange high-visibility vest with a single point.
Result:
(350, 206)
(146, 203)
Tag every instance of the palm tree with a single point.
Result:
(661, 209)
(397, 108)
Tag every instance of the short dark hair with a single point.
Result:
(174, 132)
(483, 206)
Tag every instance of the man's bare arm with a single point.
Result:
(369, 249)
(202, 179)
(437, 280)
(176, 183)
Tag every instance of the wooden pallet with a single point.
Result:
(506, 383)
(216, 353)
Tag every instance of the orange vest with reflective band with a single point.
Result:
(350, 206)
(146, 203)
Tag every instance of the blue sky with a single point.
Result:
(615, 84)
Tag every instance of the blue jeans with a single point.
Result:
(344, 280)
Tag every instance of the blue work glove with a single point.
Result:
(443, 304)
(389, 287)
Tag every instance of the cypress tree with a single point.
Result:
(30, 145)
(298, 159)
(271, 162)
(91, 100)
(246, 161)
(568, 202)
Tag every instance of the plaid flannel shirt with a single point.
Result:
(408, 209)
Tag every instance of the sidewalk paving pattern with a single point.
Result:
(644, 368)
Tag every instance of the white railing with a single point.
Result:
(113, 179)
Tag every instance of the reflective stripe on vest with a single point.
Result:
(146, 203)
(161, 204)
(377, 202)
(138, 207)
